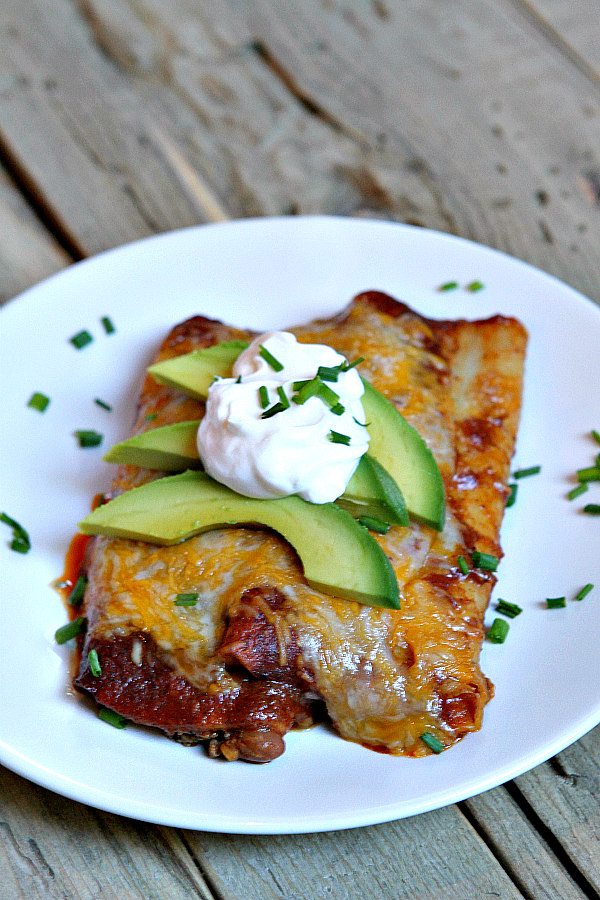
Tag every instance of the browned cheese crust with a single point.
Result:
(262, 652)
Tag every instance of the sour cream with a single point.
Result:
(290, 452)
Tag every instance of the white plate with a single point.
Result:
(272, 273)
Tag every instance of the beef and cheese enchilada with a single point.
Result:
(261, 651)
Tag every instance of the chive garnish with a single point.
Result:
(484, 561)
(584, 592)
(338, 409)
(89, 438)
(577, 491)
(556, 602)
(112, 718)
(434, 744)
(512, 497)
(21, 542)
(263, 396)
(274, 410)
(463, 565)
(351, 365)
(81, 339)
(189, 599)
(238, 380)
(374, 524)
(336, 438)
(107, 324)
(38, 401)
(94, 663)
(596, 435)
(474, 286)
(362, 424)
(591, 473)
(328, 396)
(76, 595)
(283, 398)
(329, 373)
(448, 286)
(497, 631)
(298, 385)
(270, 359)
(307, 390)
(508, 609)
(70, 630)
(592, 509)
(525, 473)
(103, 405)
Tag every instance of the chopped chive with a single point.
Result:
(556, 602)
(329, 373)
(328, 396)
(273, 411)
(21, 542)
(374, 524)
(351, 365)
(497, 631)
(598, 460)
(525, 473)
(298, 385)
(484, 561)
(112, 718)
(263, 396)
(508, 609)
(238, 380)
(448, 286)
(76, 595)
(512, 497)
(70, 630)
(338, 409)
(89, 438)
(592, 509)
(307, 390)
(81, 339)
(150, 417)
(474, 286)
(336, 438)
(103, 405)
(283, 398)
(107, 324)
(596, 435)
(270, 359)
(38, 401)
(434, 744)
(94, 663)
(577, 491)
(584, 592)
(463, 565)
(591, 473)
(362, 424)
(189, 599)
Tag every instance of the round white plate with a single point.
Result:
(274, 273)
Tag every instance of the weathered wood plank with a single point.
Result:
(436, 856)
(574, 27)
(52, 847)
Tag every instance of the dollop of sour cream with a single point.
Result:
(291, 452)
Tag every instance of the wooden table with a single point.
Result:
(122, 118)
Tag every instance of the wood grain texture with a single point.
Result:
(572, 27)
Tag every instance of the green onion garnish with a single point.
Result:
(484, 561)
(556, 602)
(112, 718)
(497, 631)
(328, 396)
(577, 491)
(263, 396)
(238, 380)
(306, 390)
(525, 473)
(362, 424)
(474, 286)
(448, 286)
(76, 595)
(463, 565)
(70, 630)
(94, 663)
(351, 365)
(329, 373)
(274, 410)
(596, 435)
(270, 359)
(592, 509)
(107, 323)
(298, 385)
(336, 438)
(103, 405)
(338, 409)
(89, 438)
(187, 599)
(508, 609)
(584, 592)
(38, 401)
(592, 473)
(81, 339)
(150, 417)
(374, 524)
(21, 542)
(432, 742)
(283, 398)
(512, 497)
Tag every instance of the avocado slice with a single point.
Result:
(394, 443)
(172, 448)
(339, 556)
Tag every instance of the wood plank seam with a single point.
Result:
(204, 874)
